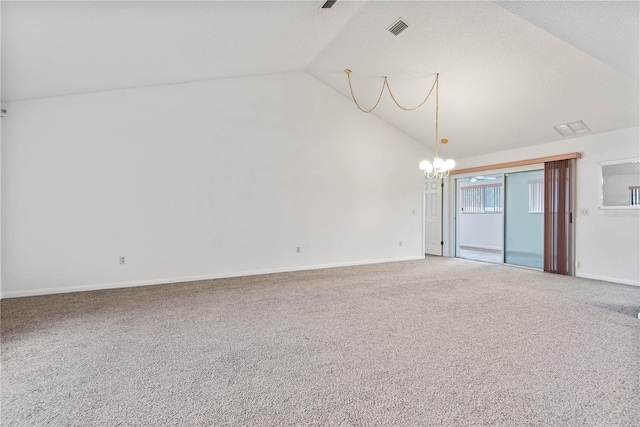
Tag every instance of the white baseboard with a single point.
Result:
(608, 279)
(131, 284)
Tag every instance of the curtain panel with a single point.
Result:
(557, 217)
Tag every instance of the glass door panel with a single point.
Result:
(524, 218)
(479, 218)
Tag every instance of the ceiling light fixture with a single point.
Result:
(439, 168)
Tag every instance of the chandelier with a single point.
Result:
(440, 168)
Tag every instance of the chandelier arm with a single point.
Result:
(435, 174)
(430, 175)
(417, 106)
(353, 96)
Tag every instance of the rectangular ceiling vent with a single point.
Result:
(398, 27)
(572, 128)
(328, 4)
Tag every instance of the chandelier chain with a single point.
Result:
(353, 96)
(440, 168)
(437, 85)
(385, 84)
(417, 106)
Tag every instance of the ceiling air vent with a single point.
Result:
(398, 27)
(328, 4)
(572, 128)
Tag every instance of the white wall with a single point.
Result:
(607, 241)
(1, 150)
(200, 180)
(481, 231)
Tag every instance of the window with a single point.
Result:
(536, 197)
(481, 198)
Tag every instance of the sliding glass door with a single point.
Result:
(524, 218)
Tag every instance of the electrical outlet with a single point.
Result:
(123, 260)
(297, 249)
(584, 211)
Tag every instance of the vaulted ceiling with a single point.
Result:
(509, 71)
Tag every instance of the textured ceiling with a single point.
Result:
(504, 81)
(608, 31)
(59, 48)
(509, 71)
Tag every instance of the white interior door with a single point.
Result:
(433, 217)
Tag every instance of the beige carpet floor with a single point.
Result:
(434, 342)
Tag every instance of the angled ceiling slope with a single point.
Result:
(60, 48)
(504, 82)
(607, 30)
(510, 71)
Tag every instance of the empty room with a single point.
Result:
(260, 213)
